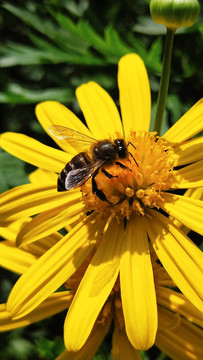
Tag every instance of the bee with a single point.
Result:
(82, 167)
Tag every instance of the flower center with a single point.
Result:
(129, 186)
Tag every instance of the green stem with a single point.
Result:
(164, 82)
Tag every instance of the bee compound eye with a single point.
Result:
(121, 148)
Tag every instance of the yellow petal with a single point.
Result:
(189, 151)
(189, 124)
(192, 193)
(92, 344)
(50, 221)
(10, 231)
(54, 113)
(161, 276)
(187, 210)
(135, 97)
(100, 112)
(182, 343)
(52, 269)
(34, 152)
(30, 199)
(191, 176)
(137, 287)
(179, 256)
(122, 349)
(38, 248)
(40, 175)
(94, 288)
(52, 305)
(167, 318)
(15, 259)
(178, 303)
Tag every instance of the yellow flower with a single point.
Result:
(115, 226)
(178, 336)
(19, 260)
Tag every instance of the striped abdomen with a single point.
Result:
(77, 162)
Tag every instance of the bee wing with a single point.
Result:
(69, 135)
(78, 177)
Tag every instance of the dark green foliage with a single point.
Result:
(12, 171)
(48, 349)
(48, 48)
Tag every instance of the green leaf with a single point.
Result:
(17, 54)
(76, 9)
(115, 43)
(18, 94)
(154, 56)
(84, 31)
(137, 45)
(107, 81)
(147, 26)
(175, 107)
(20, 349)
(77, 38)
(109, 46)
(48, 349)
(59, 36)
(89, 34)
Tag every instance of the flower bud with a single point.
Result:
(175, 13)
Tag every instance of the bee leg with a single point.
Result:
(97, 191)
(89, 212)
(122, 165)
(129, 143)
(108, 175)
(133, 158)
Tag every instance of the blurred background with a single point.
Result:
(47, 49)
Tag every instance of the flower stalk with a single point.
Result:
(173, 14)
(164, 82)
